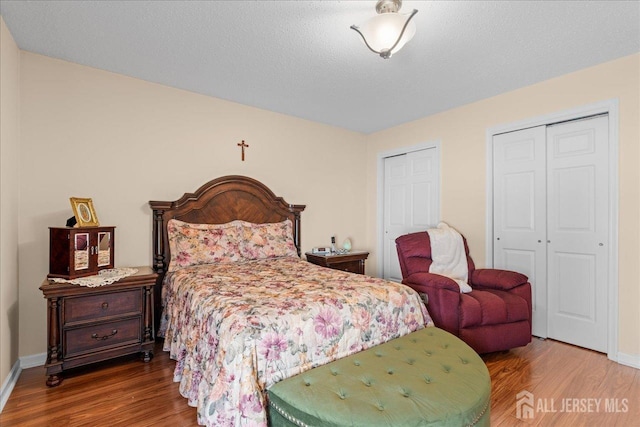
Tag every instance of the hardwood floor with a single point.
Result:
(127, 392)
(571, 386)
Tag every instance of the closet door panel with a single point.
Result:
(520, 212)
(578, 193)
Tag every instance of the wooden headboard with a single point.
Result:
(220, 201)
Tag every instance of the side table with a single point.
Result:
(91, 324)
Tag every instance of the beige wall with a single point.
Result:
(9, 152)
(123, 142)
(462, 132)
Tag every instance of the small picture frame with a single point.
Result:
(84, 212)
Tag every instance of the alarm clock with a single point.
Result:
(321, 251)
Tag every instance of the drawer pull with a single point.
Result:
(105, 305)
(105, 337)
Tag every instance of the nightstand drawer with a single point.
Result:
(93, 307)
(352, 262)
(108, 334)
(351, 267)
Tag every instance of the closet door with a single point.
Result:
(578, 194)
(519, 212)
(411, 201)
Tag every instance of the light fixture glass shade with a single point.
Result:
(382, 31)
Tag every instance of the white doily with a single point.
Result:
(104, 277)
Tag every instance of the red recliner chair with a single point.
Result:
(495, 316)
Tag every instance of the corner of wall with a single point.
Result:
(9, 198)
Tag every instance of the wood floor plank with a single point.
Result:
(127, 392)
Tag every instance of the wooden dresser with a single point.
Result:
(87, 325)
(352, 262)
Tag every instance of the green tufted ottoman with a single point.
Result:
(428, 377)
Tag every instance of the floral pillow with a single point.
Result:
(195, 244)
(270, 240)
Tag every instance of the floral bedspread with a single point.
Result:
(236, 329)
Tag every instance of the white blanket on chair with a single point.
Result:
(448, 255)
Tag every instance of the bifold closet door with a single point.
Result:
(519, 212)
(550, 212)
(411, 201)
(577, 231)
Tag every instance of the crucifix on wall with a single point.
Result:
(243, 146)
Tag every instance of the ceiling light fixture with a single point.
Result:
(387, 32)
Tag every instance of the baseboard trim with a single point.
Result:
(22, 363)
(9, 384)
(33, 360)
(629, 360)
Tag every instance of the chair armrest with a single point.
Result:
(443, 298)
(431, 281)
(497, 279)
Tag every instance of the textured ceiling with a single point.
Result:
(300, 57)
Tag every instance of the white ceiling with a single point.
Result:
(300, 57)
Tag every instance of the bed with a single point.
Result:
(240, 309)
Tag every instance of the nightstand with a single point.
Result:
(88, 325)
(352, 262)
